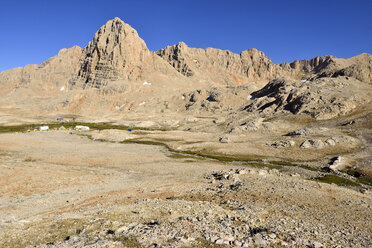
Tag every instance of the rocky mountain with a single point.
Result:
(116, 73)
(52, 75)
(359, 67)
(228, 68)
(118, 53)
(221, 67)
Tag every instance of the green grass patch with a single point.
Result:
(67, 125)
(340, 181)
(360, 176)
(183, 156)
(263, 165)
(246, 160)
(283, 163)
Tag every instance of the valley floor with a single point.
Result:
(61, 189)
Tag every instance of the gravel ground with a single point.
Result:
(62, 190)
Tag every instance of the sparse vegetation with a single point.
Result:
(340, 181)
(128, 241)
(360, 176)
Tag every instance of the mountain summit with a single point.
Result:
(118, 63)
(117, 53)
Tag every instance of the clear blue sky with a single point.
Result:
(34, 30)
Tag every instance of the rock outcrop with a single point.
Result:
(358, 67)
(117, 53)
(323, 98)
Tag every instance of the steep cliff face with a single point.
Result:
(218, 66)
(225, 67)
(52, 74)
(117, 53)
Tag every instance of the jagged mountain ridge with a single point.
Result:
(252, 65)
(221, 67)
(118, 53)
(117, 62)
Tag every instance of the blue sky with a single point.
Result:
(33, 31)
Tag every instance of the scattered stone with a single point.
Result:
(191, 119)
(283, 143)
(219, 241)
(330, 142)
(121, 229)
(317, 244)
(224, 139)
(348, 123)
(337, 163)
(300, 132)
(318, 144)
(262, 172)
(306, 144)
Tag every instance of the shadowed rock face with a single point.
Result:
(323, 98)
(359, 67)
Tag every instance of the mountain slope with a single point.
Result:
(51, 75)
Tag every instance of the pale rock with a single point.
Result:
(190, 119)
(121, 230)
(262, 172)
(219, 241)
(330, 142)
(316, 143)
(317, 244)
(337, 163)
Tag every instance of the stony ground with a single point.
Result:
(59, 189)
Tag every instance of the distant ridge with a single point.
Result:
(117, 53)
